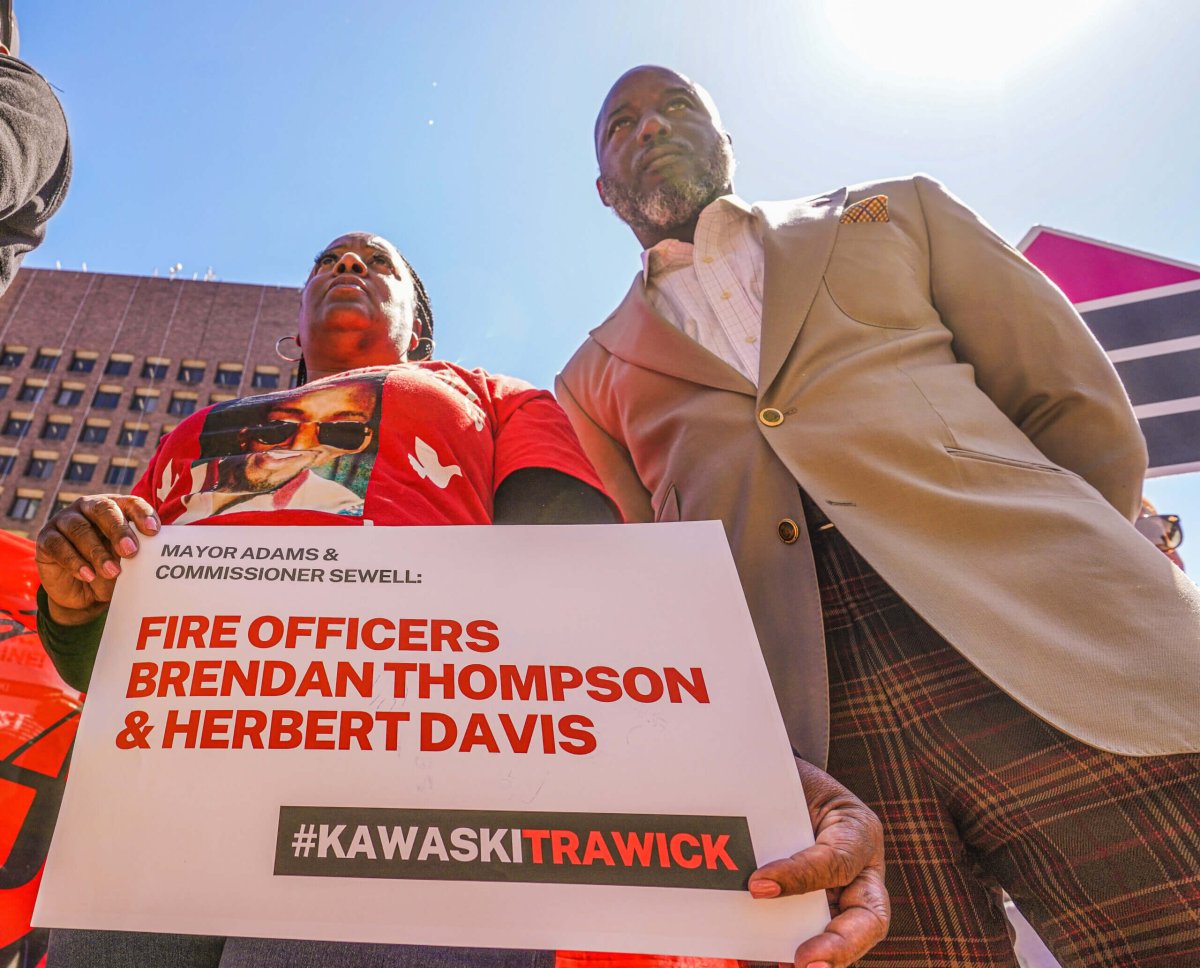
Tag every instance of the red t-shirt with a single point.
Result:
(414, 443)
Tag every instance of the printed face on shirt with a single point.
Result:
(308, 448)
(662, 152)
(307, 431)
(357, 305)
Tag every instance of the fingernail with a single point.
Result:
(765, 889)
(819, 964)
(127, 546)
(86, 574)
(110, 569)
(152, 523)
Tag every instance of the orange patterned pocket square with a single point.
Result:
(873, 209)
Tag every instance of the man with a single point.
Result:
(927, 470)
(35, 153)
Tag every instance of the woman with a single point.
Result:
(380, 433)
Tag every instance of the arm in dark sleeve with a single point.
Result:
(538, 495)
(72, 648)
(35, 161)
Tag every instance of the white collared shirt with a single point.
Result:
(712, 289)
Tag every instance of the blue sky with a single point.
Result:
(243, 136)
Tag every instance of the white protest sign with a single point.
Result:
(551, 737)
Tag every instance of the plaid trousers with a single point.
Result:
(1100, 851)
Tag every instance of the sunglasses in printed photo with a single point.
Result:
(1163, 529)
(339, 434)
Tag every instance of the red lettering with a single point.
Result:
(430, 720)
(536, 839)
(297, 627)
(224, 632)
(483, 637)
(563, 678)
(632, 849)
(248, 726)
(150, 628)
(597, 849)
(285, 731)
(265, 631)
(142, 676)
(175, 727)
(654, 691)
(191, 631)
(478, 733)
(715, 851)
(577, 737)
(213, 734)
(565, 844)
(411, 635)
(605, 688)
(357, 726)
(677, 842)
(445, 632)
(318, 729)
(368, 633)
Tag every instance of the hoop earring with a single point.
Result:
(426, 356)
(282, 355)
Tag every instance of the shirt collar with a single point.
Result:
(672, 253)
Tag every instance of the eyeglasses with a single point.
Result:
(1163, 529)
(339, 434)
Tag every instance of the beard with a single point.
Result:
(672, 203)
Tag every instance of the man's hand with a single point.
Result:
(846, 861)
(79, 550)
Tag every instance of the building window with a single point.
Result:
(68, 395)
(13, 356)
(93, 433)
(119, 364)
(119, 475)
(16, 426)
(143, 401)
(82, 363)
(80, 471)
(106, 398)
(32, 391)
(182, 404)
(155, 368)
(228, 375)
(56, 429)
(164, 430)
(265, 378)
(7, 463)
(132, 436)
(41, 467)
(46, 360)
(191, 371)
(24, 507)
(5, 383)
(63, 501)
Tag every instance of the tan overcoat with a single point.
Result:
(952, 415)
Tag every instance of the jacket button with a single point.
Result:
(770, 417)
(789, 531)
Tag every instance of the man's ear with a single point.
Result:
(600, 191)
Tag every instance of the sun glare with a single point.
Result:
(957, 40)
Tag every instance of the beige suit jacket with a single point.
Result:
(952, 415)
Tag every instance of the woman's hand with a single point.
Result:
(846, 861)
(79, 550)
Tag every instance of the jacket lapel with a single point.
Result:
(797, 241)
(637, 334)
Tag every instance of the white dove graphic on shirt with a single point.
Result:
(166, 482)
(429, 466)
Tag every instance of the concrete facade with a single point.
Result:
(94, 368)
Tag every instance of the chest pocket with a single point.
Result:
(873, 277)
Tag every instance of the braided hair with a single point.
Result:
(422, 322)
